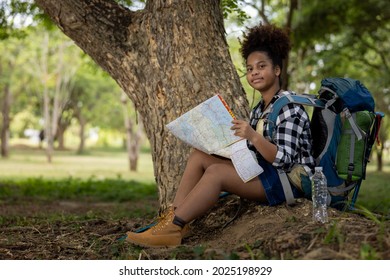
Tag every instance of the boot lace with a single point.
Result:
(163, 220)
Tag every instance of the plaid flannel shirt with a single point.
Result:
(291, 136)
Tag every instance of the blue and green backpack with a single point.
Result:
(344, 127)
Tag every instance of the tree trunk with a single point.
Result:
(56, 107)
(134, 144)
(133, 137)
(288, 28)
(167, 58)
(5, 110)
(379, 152)
(380, 148)
(128, 129)
(46, 98)
(380, 160)
(135, 147)
(60, 136)
(82, 123)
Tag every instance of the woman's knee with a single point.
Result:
(201, 158)
(217, 172)
(195, 154)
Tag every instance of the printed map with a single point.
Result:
(207, 128)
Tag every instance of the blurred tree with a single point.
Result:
(94, 100)
(54, 64)
(14, 17)
(8, 63)
(133, 135)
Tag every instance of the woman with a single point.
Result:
(206, 176)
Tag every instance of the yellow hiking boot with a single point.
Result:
(170, 211)
(163, 234)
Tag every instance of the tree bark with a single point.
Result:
(46, 99)
(6, 108)
(133, 136)
(167, 58)
(61, 128)
(288, 28)
(82, 122)
(6, 120)
(380, 148)
(135, 144)
(380, 160)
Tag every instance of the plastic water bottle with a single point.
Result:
(319, 196)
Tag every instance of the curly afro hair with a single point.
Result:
(267, 38)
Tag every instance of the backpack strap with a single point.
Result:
(355, 195)
(351, 118)
(329, 118)
(330, 101)
(354, 132)
(302, 99)
(288, 194)
(374, 135)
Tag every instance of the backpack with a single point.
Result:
(344, 127)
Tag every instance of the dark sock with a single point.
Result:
(179, 222)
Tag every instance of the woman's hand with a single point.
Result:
(267, 149)
(243, 129)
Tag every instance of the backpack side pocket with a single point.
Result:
(350, 161)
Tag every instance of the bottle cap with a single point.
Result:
(318, 168)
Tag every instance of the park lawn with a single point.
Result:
(108, 168)
(96, 163)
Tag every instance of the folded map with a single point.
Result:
(207, 127)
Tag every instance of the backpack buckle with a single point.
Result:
(347, 113)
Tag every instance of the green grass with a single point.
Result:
(104, 174)
(75, 188)
(100, 164)
(374, 193)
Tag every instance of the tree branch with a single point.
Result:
(381, 54)
(92, 23)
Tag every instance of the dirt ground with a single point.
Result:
(34, 229)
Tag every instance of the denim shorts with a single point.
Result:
(272, 186)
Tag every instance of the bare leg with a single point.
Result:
(218, 176)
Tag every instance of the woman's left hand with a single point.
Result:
(243, 129)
